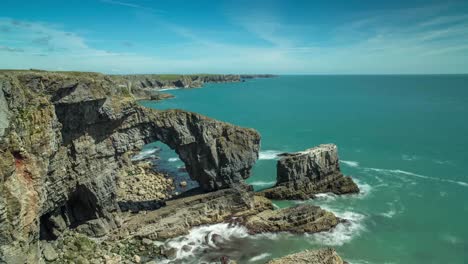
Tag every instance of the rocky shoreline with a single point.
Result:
(72, 194)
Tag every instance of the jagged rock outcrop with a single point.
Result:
(303, 174)
(180, 215)
(66, 136)
(321, 256)
(158, 81)
(298, 219)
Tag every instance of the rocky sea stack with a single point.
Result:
(301, 175)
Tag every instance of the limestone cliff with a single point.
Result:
(65, 136)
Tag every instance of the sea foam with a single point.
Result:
(343, 232)
(269, 154)
(263, 183)
(412, 174)
(145, 154)
(173, 159)
(350, 163)
(200, 239)
(260, 257)
(168, 89)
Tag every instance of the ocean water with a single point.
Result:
(404, 139)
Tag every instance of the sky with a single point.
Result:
(222, 36)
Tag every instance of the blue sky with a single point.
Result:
(221, 36)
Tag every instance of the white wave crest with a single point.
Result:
(168, 89)
(326, 196)
(408, 173)
(364, 188)
(202, 238)
(269, 154)
(343, 232)
(407, 157)
(350, 163)
(145, 154)
(260, 257)
(389, 214)
(263, 183)
(173, 159)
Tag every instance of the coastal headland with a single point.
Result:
(71, 192)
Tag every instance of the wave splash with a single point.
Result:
(203, 238)
(343, 232)
(173, 159)
(350, 163)
(145, 154)
(269, 154)
(260, 257)
(408, 173)
(263, 183)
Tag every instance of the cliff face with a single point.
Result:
(156, 81)
(65, 136)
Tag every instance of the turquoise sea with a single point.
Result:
(403, 138)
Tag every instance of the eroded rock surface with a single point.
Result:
(303, 174)
(321, 256)
(180, 215)
(68, 136)
(298, 219)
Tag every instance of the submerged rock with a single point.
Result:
(321, 256)
(303, 174)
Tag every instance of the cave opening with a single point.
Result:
(80, 207)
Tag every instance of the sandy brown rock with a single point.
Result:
(321, 256)
(298, 219)
(141, 188)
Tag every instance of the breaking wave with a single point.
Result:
(203, 238)
(263, 183)
(343, 232)
(168, 89)
(389, 214)
(402, 172)
(145, 154)
(173, 159)
(260, 257)
(269, 154)
(350, 163)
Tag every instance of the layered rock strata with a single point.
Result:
(321, 256)
(64, 138)
(303, 174)
(178, 216)
(299, 219)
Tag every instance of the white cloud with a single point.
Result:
(392, 43)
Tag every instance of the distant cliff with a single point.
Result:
(163, 81)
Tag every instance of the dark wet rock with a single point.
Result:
(186, 248)
(303, 174)
(216, 239)
(298, 219)
(321, 256)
